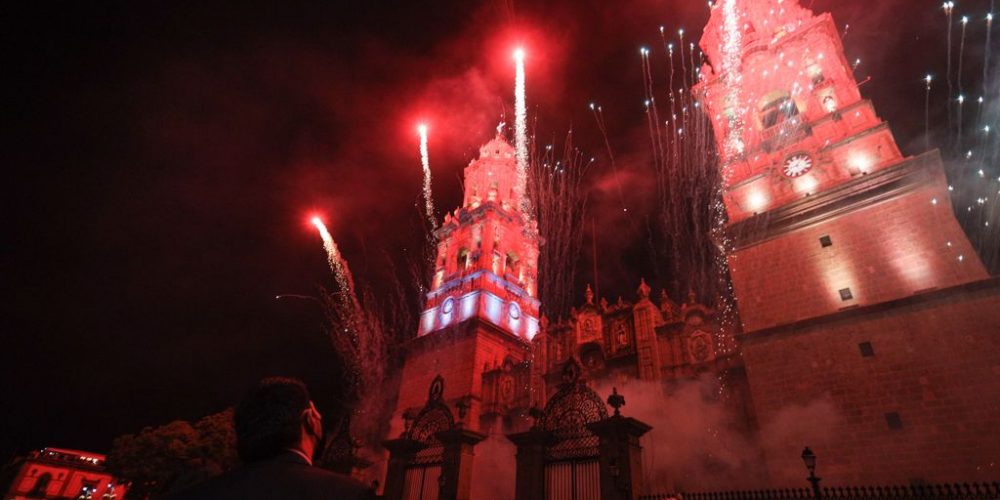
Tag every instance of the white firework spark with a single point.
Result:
(425, 161)
(521, 133)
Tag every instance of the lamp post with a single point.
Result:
(809, 458)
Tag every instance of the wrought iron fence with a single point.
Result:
(955, 491)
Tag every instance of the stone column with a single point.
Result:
(621, 456)
(531, 463)
(401, 453)
(456, 466)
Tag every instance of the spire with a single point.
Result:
(589, 294)
(765, 22)
(492, 176)
(643, 289)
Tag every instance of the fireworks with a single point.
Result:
(425, 161)
(358, 333)
(521, 132)
(732, 46)
(559, 197)
(337, 263)
(927, 113)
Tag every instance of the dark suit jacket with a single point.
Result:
(284, 476)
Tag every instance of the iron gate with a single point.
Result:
(423, 473)
(572, 471)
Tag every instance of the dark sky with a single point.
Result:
(163, 158)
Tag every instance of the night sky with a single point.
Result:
(163, 159)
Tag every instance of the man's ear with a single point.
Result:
(314, 421)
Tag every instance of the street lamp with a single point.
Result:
(809, 458)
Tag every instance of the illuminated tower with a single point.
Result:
(860, 296)
(824, 211)
(482, 308)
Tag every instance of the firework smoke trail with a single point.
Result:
(680, 37)
(362, 338)
(927, 113)
(694, 72)
(732, 46)
(521, 132)
(986, 52)
(958, 140)
(425, 161)
(560, 201)
(961, 52)
(337, 263)
(599, 119)
(652, 115)
(972, 158)
(948, 7)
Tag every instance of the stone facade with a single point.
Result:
(853, 281)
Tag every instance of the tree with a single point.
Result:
(175, 455)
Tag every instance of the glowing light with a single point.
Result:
(806, 184)
(425, 162)
(756, 201)
(521, 133)
(861, 161)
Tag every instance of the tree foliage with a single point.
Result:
(173, 456)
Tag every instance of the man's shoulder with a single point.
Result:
(324, 476)
(278, 479)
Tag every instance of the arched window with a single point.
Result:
(463, 258)
(511, 264)
(41, 485)
(776, 107)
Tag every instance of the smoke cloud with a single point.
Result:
(698, 444)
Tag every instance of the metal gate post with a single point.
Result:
(621, 456)
(401, 453)
(456, 465)
(530, 482)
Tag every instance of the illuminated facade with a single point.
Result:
(820, 189)
(482, 306)
(61, 473)
(855, 285)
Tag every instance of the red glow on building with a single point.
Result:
(63, 473)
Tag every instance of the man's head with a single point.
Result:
(275, 416)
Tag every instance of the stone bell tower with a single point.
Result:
(825, 211)
(858, 291)
(482, 306)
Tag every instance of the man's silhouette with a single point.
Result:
(278, 430)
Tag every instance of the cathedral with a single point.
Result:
(854, 284)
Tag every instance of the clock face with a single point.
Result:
(797, 165)
(514, 311)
